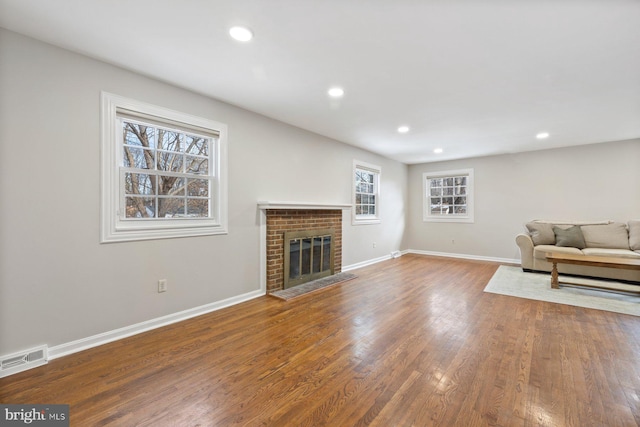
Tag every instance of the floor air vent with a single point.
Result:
(19, 362)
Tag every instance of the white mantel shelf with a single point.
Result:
(302, 205)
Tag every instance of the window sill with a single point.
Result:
(465, 219)
(365, 221)
(136, 234)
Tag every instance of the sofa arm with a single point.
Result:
(525, 244)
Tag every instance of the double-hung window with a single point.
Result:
(366, 193)
(448, 196)
(163, 172)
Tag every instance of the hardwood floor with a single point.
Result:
(411, 341)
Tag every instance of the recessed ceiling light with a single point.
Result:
(403, 129)
(542, 135)
(241, 34)
(336, 92)
(438, 150)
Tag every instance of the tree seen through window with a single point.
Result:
(166, 172)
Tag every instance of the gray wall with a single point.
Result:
(58, 284)
(588, 182)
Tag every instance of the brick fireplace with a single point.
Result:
(278, 218)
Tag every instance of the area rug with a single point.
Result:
(316, 285)
(514, 282)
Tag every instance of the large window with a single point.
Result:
(163, 172)
(448, 196)
(366, 197)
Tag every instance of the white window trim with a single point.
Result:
(365, 219)
(426, 211)
(112, 227)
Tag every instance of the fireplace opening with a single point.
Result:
(308, 255)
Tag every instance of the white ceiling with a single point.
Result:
(472, 77)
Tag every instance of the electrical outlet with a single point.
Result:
(374, 244)
(162, 285)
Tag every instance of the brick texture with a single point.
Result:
(281, 220)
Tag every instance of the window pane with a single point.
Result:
(168, 207)
(365, 193)
(140, 207)
(196, 145)
(453, 190)
(135, 183)
(170, 161)
(198, 188)
(138, 135)
(171, 186)
(169, 141)
(198, 208)
(139, 158)
(197, 165)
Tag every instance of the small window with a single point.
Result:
(163, 172)
(366, 196)
(448, 196)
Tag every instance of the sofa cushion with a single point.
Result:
(541, 251)
(541, 233)
(570, 237)
(616, 253)
(634, 235)
(609, 236)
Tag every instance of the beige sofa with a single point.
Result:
(604, 238)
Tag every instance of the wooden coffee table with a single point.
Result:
(592, 261)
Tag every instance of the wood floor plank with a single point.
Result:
(411, 341)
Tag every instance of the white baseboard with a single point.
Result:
(106, 337)
(464, 256)
(127, 331)
(365, 263)
(431, 253)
